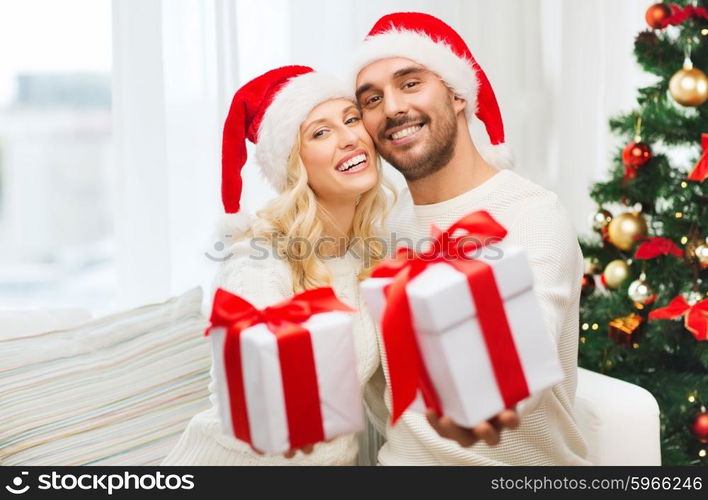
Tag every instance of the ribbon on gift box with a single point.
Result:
(297, 362)
(406, 368)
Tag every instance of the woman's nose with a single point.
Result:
(347, 138)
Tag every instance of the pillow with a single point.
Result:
(118, 390)
(26, 322)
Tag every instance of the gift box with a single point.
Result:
(285, 376)
(477, 329)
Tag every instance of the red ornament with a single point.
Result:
(657, 15)
(700, 427)
(587, 284)
(635, 155)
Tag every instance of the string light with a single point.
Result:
(635, 345)
(679, 215)
(585, 326)
(684, 184)
(692, 398)
(582, 340)
(684, 240)
(704, 32)
(595, 326)
(702, 453)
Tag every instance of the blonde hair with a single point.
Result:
(293, 224)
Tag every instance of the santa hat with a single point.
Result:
(268, 111)
(432, 43)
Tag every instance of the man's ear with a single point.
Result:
(458, 103)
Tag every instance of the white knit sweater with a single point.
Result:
(534, 218)
(264, 282)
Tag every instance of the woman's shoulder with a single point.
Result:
(253, 269)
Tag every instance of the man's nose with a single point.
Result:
(394, 105)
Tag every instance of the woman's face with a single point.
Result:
(337, 152)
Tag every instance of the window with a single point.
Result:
(56, 222)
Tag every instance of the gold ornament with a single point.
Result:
(599, 219)
(640, 292)
(626, 229)
(592, 265)
(689, 85)
(615, 273)
(701, 252)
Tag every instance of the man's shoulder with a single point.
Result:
(520, 192)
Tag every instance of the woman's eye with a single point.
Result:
(319, 133)
(351, 120)
(410, 85)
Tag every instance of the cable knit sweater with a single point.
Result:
(534, 218)
(264, 282)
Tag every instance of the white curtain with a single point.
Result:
(559, 68)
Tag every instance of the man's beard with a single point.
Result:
(437, 152)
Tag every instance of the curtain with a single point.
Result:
(559, 68)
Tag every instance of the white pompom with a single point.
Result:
(234, 226)
(500, 155)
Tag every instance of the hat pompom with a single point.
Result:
(235, 225)
(498, 155)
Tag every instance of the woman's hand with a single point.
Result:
(290, 453)
(489, 431)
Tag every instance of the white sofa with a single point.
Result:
(98, 392)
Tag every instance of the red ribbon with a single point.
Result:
(655, 246)
(695, 316)
(680, 14)
(405, 364)
(700, 171)
(297, 363)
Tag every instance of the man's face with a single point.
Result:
(410, 114)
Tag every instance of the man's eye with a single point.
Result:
(372, 100)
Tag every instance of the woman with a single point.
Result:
(314, 150)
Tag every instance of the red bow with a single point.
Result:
(680, 14)
(297, 362)
(700, 171)
(406, 367)
(655, 246)
(695, 316)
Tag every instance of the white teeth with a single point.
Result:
(406, 132)
(351, 162)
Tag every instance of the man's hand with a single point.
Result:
(489, 431)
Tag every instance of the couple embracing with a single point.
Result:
(319, 140)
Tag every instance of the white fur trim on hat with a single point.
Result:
(498, 155)
(438, 57)
(233, 225)
(281, 122)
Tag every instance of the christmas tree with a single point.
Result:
(644, 311)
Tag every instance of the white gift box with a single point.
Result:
(451, 341)
(335, 365)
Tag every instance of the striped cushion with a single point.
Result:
(118, 390)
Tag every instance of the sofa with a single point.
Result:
(119, 390)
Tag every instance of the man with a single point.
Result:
(418, 85)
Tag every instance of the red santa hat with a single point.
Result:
(268, 111)
(432, 43)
